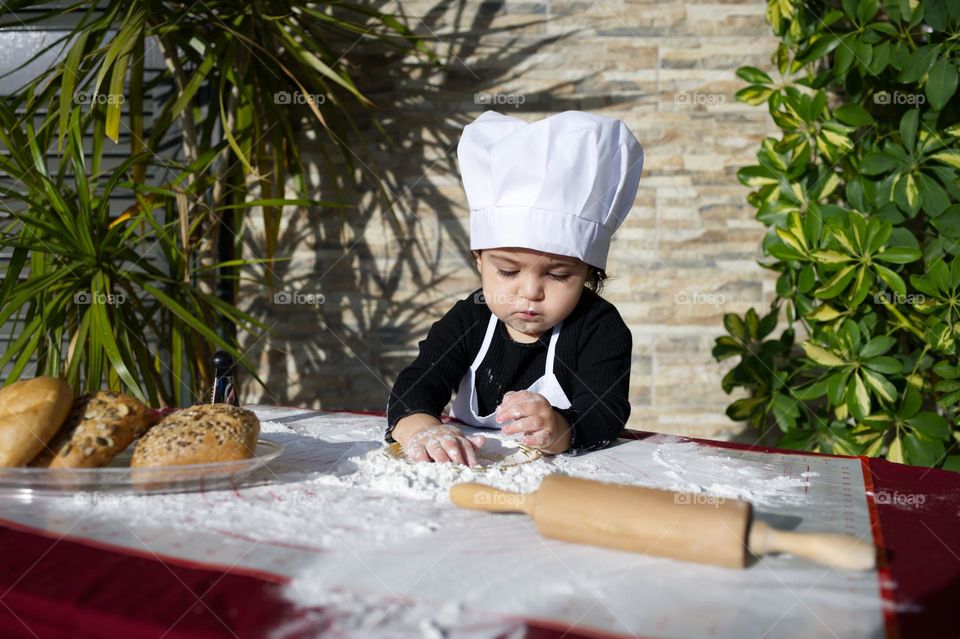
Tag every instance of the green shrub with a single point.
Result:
(861, 200)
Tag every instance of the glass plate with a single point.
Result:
(502, 458)
(118, 477)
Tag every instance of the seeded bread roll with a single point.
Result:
(31, 412)
(200, 434)
(100, 425)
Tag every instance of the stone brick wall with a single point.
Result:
(685, 256)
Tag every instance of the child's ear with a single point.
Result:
(477, 256)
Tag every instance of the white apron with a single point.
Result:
(465, 404)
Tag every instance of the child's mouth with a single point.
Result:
(528, 314)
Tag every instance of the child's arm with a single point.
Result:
(601, 398)
(423, 388)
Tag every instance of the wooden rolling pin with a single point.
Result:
(690, 527)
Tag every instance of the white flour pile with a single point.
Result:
(720, 475)
(380, 472)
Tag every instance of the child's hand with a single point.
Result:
(444, 444)
(542, 427)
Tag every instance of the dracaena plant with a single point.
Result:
(240, 83)
(861, 199)
(84, 293)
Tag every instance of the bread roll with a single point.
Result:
(199, 435)
(100, 425)
(31, 412)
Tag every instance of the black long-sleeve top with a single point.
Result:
(592, 364)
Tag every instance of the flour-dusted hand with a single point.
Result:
(532, 415)
(444, 444)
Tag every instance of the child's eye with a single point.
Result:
(560, 277)
(506, 273)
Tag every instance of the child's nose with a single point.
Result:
(531, 288)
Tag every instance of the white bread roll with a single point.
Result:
(31, 412)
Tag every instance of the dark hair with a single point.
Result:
(595, 276)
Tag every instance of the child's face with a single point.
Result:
(518, 280)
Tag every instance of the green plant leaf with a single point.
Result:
(920, 450)
(950, 158)
(754, 75)
(742, 409)
(908, 128)
(862, 285)
(935, 198)
(821, 45)
(875, 163)
(754, 95)
(877, 346)
(827, 256)
(811, 391)
(866, 10)
(858, 399)
(854, 115)
(837, 283)
(824, 313)
(946, 370)
(917, 64)
(907, 194)
(821, 355)
(883, 364)
(941, 83)
(880, 385)
(911, 402)
(895, 452)
(891, 279)
(735, 326)
(898, 255)
(930, 424)
(790, 240)
(726, 346)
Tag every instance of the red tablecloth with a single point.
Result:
(63, 587)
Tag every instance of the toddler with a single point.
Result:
(535, 351)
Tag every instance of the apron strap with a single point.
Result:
(491, 326)
(552, 349)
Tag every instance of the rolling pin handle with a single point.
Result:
(835, 551)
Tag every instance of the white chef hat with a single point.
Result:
(561, 185)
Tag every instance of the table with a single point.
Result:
(57, 580)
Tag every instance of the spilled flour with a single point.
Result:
(699, 470)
